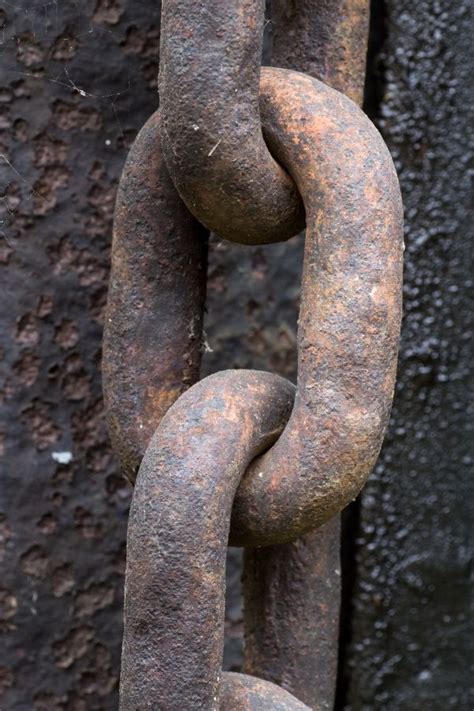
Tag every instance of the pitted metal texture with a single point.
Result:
(236, 458)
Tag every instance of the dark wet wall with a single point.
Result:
(78, 80)
(412, 638)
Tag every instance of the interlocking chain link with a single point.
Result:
(241, 454)
(292, 591)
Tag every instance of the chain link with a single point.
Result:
(241, 454)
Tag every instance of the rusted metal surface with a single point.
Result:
(345, 383)
(177, 536)
(292, 592)
(408, 648)
(351, 282)
(349, 316)
(155, 306)
(326, 39)
(212, 137)
(347, 347)
(291, 614)
(240, 692)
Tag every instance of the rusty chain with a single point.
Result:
(241, 454)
